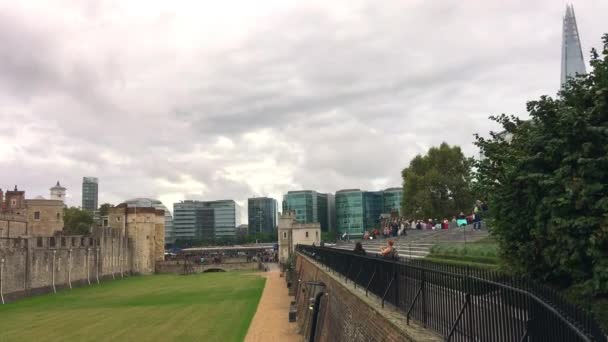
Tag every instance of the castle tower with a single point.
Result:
(58, 192)
(572, 54)
(14, 202)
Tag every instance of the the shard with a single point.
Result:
(572, 54)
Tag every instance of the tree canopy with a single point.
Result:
(438, 184)
(548, 186)
(77, 221)
(104, 209)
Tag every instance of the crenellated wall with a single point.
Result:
(45, 264)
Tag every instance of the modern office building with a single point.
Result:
(391, 200)
(90, 192)
(58, 192)
(310, 207)
(572, 53)
(262, 214)
(149, 202)
(196, 220)
(358, 211)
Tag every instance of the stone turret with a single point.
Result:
(58, 192)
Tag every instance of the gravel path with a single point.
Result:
(270, 322)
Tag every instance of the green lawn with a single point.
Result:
(203, 307)
(481, 254)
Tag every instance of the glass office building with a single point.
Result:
(90, 191)
(358, 211)
(262, 214)
(310, 207)
(196, 220)
(391, 199)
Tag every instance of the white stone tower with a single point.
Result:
(58, 192)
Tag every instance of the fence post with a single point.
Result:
(97, 265)
(423, 285)
(53, 272)
(87, 265)
(1, 279)
(396, 273)
(70, 268)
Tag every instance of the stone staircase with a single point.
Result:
(417, 243)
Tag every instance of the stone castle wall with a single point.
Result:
(45, 264)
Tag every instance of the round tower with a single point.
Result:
(58, 192)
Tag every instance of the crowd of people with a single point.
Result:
(397, 226)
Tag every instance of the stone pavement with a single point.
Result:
(270, 322)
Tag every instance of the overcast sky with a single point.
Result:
(230, 99)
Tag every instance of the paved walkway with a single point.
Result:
(270, 322)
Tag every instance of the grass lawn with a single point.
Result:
(202, 307)
(481, 254)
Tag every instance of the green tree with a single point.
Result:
(77, 221)
(548, 186)
(438, 184)
(104, 209)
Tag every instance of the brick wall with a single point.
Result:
(346, 314)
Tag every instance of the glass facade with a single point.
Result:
(358, 211)
(205, 220)
(262, 214)
(310, 207)
(90, 188)
(392, 199)
(350, 212)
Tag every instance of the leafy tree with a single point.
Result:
(438, 184)
(104, 209)
(77, 221)
(548, 186)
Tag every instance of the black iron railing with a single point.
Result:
(464, 304)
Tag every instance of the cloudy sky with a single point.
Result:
(230, 99)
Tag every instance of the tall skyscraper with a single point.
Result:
(58, 192)
(262, 214)
(205, 219)
(90, 190)
(358, 211)
(572, 53)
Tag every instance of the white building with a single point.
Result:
(291, 233)
(58, 192)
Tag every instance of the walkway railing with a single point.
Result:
(461, 303)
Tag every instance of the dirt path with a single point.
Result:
(270, 322)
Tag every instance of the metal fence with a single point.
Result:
(461, 303)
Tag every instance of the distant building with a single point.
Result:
(572, 53)
(242, 230)
(292, 233)
(149, 202)
(262, 214)
(310, 207)
(44, 217)
(90, 193)
(21, 217)
(358, 210)
(58, 192)
(196, 220)
(145, 227)
(392, 199)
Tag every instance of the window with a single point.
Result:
(117, 218)
(37, 215)
(58, 217)
(306, 233)
(39, 242)
(284, 235)
(105, 222)
(317, 235)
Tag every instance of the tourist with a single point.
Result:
(388, 251)
(359, 249)
(445, 224)
(366, 235)
(394, 228)
(462, 220)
